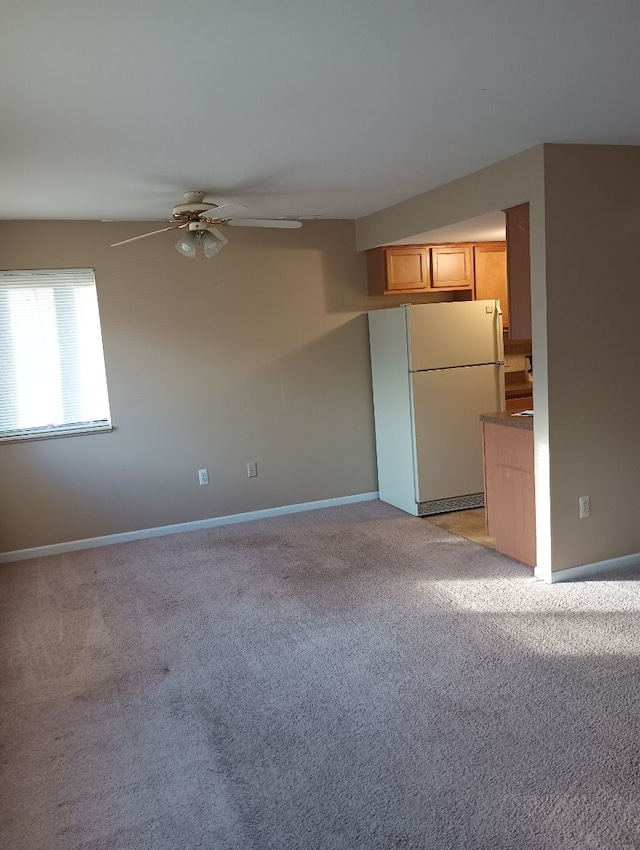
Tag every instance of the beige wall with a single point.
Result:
(258, 354)
(593, 294)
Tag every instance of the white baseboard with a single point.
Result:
(128, 536)
(574, 573)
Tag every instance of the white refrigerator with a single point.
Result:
(435, 369)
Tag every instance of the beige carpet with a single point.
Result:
(340, 679)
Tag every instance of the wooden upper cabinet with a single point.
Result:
(490, 269)
(398, 269)
(407, 269)
(518, 271)
(452, 267)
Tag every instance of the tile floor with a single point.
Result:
(469, 524)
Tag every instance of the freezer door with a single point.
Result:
(448, 432)
(458, 333)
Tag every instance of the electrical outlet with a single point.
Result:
(203, 477)
(252, 469)
(584, 506)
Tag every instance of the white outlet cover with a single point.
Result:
(584, 507)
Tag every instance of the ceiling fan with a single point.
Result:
(199, 219)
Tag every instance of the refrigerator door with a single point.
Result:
(458, 333)
(447, 404)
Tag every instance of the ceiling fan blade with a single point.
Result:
(263, 222)
(144, 235)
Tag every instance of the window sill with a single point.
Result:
(53, 434)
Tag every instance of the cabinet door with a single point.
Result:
(510, 490)
(518, 271)
(490, 267)
(452, 267)
(407, 269)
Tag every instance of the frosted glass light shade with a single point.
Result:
(210, 244)
(187, 245)
(212, 241)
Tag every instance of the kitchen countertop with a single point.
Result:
(506, 417)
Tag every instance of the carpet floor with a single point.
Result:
(333, 680)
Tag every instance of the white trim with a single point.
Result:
(128, 536)
(573, 573)
(51, 433)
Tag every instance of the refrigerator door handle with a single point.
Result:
(499, 332)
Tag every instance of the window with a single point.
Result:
(52, 375)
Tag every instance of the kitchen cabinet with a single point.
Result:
(452, 267)
(518, 402)
(490, 275)
(509, 490)
(398, 269)
(518, 271)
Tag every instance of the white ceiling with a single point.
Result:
(335, 108)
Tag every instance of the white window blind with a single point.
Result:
(52, 375)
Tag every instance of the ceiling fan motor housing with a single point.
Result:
(194, 205)
(186, 211)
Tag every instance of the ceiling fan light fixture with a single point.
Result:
(212, 241)
(198, 218)
(187, 245)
